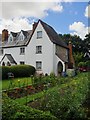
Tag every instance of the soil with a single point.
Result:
(24, 91)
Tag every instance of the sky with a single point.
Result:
(65, 16)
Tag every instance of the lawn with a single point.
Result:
(17, 82)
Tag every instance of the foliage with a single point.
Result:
(66, 102)
(5, 70)
(14, 111)
(18, 71)
(79, 46)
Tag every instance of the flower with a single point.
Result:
(17, 89)
(18, 80)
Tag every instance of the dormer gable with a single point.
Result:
(22, 35)
(12, 36)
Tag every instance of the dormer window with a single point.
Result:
(39, 34)
(21, 37)
(10, 39)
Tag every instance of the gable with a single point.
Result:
(8, 58)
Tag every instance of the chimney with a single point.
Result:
(71, 59)
(4, 35)
(34, 25)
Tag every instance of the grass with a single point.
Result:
(72, 81)
(17, 82)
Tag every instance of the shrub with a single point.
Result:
(5, 70)
(18, 71)
(70, 72)
(12, 110)
(66, 102)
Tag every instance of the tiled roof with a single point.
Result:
(16, 42)
(54, 37)
(10, 58)
(14, 34)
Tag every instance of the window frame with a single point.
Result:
(39, 49)
(22, 51)
(39, 34)
(38, 67)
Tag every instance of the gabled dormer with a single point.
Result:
(12, 36)
(22, 35)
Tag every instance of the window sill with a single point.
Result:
(22, 54)
(39, 37)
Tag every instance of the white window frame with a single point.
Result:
(39, 34)
(38, 65)
(38, 49)
(22, 51)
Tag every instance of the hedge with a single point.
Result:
(18, 71)
(12, 110)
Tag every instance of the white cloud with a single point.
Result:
(15, 24)
(15, 14)
(79, 29)
(87, 11)
(26, 9)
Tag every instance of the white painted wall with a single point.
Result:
(15, 52)
(48, 57)
(47, 51)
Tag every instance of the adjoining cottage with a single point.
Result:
(40, 47)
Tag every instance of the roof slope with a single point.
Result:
(10, 58)
(54, 37)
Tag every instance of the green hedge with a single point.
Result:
(12, 110)
(18, 71)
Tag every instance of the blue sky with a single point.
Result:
(73, 12)
(64, 17)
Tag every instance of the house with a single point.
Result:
(40, 47)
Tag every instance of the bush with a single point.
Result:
(70, 72)
(5, 70)
(66, 102)
(18, 71)
(12, 110)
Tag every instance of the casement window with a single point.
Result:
(22, 62)
(22, 51)
(38, 49)
(39, 34)
(1, 51)
(38, 65)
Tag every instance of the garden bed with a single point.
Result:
(24, 91)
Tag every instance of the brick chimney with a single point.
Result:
(71, 59)
(4, 35)
(34, 25)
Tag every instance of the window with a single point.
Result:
(39, 34)
(38, 49)
(21, 37)
(1, 51)
(22, 62)
(22, 51)
(10, 39)
(38, 65)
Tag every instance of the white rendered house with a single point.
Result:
(40, 47)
